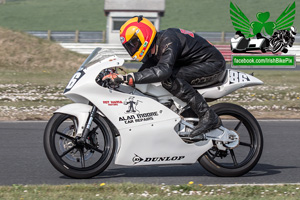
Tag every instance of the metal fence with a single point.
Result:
(118, 49)
(71, 36)
(225, 37)
(99, 36)
(217, 37)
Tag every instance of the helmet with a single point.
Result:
(137, 36)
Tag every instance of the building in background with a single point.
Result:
(119, 11)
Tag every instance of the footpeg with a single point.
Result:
(224, 138)
(192, 139)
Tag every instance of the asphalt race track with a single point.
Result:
(23, 161)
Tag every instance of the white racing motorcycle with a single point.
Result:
(141, 125)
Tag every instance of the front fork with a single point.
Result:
(88, 125)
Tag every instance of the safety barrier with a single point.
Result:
(71, 36)
(86, 48)
(214, 37)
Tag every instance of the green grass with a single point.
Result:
(147, 191)
(53, 15)
(213, 15)
(204, 15)
(32, 94)
(36, 77)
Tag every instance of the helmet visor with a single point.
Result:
(133, 45)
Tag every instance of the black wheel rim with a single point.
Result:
(245, 152)
(82, 157)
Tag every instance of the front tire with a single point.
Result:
(240, 160)
(75, 159)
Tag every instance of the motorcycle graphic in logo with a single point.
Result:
(262, 25)
(132, 105)
(282, 32)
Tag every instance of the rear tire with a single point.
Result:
(243, 158)
(74, 159)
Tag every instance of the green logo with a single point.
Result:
(262, 25)
(263, 60)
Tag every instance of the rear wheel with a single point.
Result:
(240, 160)
(72, 157)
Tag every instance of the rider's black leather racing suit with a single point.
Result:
(182, 59)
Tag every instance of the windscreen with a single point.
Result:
(98, 55)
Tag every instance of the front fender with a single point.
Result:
(80, 111)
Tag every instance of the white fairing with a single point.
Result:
(146, 127)
(240, 43)
(80, 111)
(256, 42)
(234, 80)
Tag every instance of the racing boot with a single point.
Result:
(208, 119)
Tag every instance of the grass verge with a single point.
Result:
(147, 191)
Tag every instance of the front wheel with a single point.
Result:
(240, 160)
(72, 157)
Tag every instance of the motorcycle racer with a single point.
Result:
(286, 37)
(180, 60)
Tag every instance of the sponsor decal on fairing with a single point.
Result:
(137, 159)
